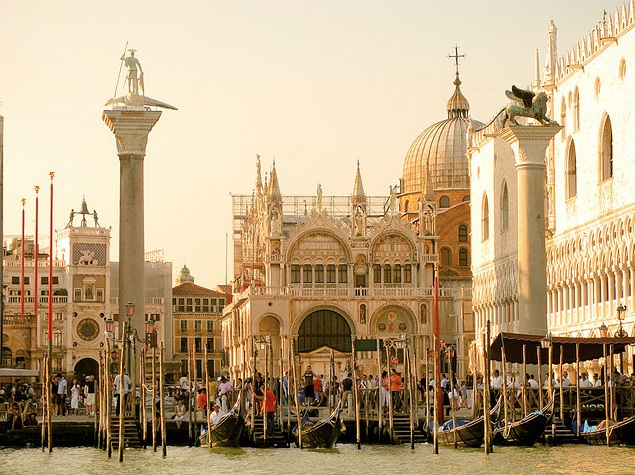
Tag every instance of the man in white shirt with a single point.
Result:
(597, 382)
(532, 382)
(584, 382)
(216, 415)
(127, 382)
(223, 388)
(566, 382)
(497, 380)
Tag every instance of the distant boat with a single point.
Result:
(526, 431)
(469, 433)
(321, 434)
(620, 433)
(226, 432)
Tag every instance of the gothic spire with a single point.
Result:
(358, 188)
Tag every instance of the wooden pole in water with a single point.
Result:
(504, 368)
(426, 389)
(390, 410)
(162, 402)
(142, 403)
(193, 400)
(524, 385)
(207, 396)
(154, 399)
(358, 429)
(561, 389)
(413, 403)
(263, 410)
(578, 404)
(486, 391)
(122, 385)
(550, 386)
(295, 390)
(98, 413)
(190, 357)
(606, 399)
(45, 394)
(453, 404)
(611, 381)
(539, 354)
(107, 408)
(380, 399)
(435, 402)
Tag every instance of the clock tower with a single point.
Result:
(85, 247)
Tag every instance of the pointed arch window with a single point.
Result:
(576, 110)
(485, 219)
(464, 257)
(606, 150)
(504, 208)
(446, 256)
(563, 118)
(572, 173)
(463, 233)
(377, 274)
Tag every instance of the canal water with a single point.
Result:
(342, 460)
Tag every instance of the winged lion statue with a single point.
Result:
(528, 104)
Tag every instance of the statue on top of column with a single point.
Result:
(136, 89)
(134, 82)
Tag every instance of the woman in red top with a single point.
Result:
(395, 389)
(385, 387)
(269, 407)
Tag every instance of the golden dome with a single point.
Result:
(439, 152)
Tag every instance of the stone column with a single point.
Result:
(529, 144)
(131, 126)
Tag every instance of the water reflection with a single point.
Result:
(344, 460)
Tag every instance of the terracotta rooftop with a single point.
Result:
(188, 288)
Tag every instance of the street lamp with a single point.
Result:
(621, 310)
(603, 330)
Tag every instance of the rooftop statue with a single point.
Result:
(135, 84)
(528, 104)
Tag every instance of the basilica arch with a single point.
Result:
(393, 320)
(328, 327)
(86, 367)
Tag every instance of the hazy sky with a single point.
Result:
(314, 84)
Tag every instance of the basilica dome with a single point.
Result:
(437, 157)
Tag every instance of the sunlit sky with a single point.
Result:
(314, 85)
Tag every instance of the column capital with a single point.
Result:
(529, 142)
(131, 129)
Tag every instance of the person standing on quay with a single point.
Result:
(309, 392)
(269, 407)
(62, 390)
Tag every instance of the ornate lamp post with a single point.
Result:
(621, 310)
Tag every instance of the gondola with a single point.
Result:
(226, 432)
(620, 433)
(321, 434)
(469, 433)
(526, 431)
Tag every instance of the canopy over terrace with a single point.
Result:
(590, 348)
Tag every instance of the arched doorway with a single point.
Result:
(86, 367)
(324, 328)
(7, 357)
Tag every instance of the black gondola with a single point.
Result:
(226, 432)
(526, 431)
(620, 433)
(468, 433)
(322, 434)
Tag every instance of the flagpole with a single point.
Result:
(50, 309)
(22, 262)
(36, 252)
